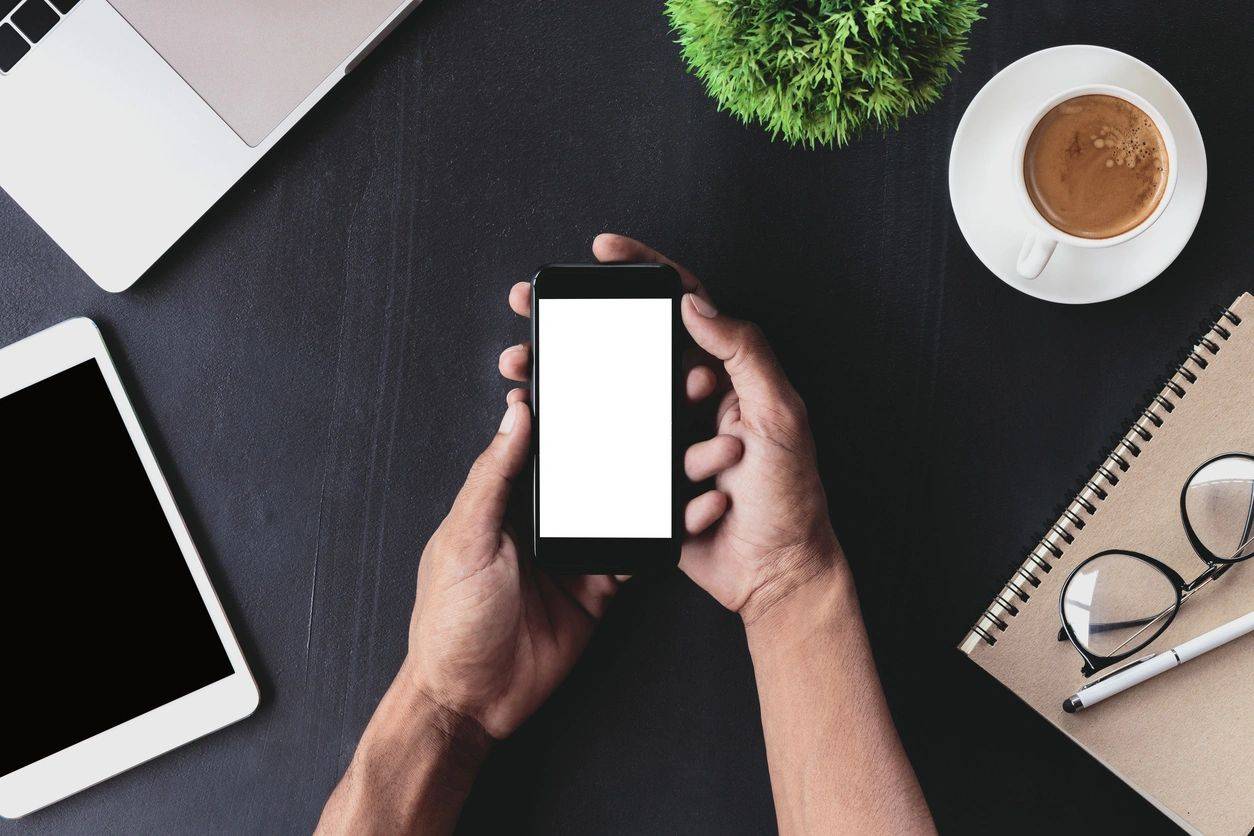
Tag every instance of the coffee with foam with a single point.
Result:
(1095, 166)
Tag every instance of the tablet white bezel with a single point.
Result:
(158, 731)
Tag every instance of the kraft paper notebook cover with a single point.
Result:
(1201, 774)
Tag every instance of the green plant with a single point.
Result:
(823, 71)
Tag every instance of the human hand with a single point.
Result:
(492, 635)
(490, 638)
(764, 531)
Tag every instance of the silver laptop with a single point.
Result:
(122, 121)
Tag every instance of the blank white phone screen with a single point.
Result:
(605, 417)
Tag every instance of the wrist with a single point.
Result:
(816, 560)
(812, 606)
(410, 715)
(413, 768)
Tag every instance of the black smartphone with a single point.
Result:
(605, 392)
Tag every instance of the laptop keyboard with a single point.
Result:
(25, 24)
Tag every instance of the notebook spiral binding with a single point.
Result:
(1091, 492)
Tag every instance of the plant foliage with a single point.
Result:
(823, 71)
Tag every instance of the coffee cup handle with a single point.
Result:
(1034, 254)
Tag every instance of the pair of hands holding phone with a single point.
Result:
(492, 635)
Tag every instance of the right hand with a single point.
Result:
(776, 535)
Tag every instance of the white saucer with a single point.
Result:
(982, 189)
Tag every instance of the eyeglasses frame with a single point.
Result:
(1215, 567)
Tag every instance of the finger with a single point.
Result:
(515, 362)
(728, 411)
(591, 592)
(700, 384)
(609, 246)
(482, 499)
(713, 456)
(520, 298)
(746, 356)
(516, 395)
(704, 511)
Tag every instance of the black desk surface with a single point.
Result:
(316, 363)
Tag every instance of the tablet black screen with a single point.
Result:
(100, 619)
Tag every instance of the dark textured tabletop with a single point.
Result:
(316, 365)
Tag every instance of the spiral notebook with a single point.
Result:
(1201, 774)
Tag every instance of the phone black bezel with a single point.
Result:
(609, 555)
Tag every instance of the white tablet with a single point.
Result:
(113, 646)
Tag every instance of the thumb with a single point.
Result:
(750, 363)
(482, 500)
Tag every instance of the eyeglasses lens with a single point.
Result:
(1117, 603)
(1219, 507)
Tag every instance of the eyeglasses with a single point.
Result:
(1118, 601)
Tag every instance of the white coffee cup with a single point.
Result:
(1044, 237)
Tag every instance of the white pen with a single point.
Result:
(1154, 664)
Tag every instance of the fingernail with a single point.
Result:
(703, 306)
(507, 423)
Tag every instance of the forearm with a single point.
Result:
(835, 759)
(412, 770)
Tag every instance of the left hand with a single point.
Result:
(489, 640)
(492, 635)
